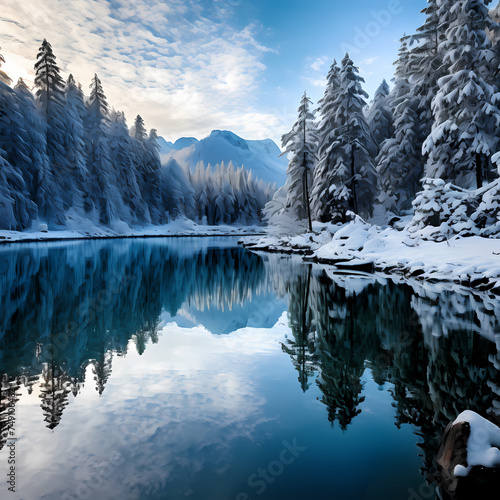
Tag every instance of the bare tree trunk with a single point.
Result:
(305, 189)
(353, 180)
(479, 171)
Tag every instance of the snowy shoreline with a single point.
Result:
(176, 229)
(473, 262)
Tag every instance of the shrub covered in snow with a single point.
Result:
(443, 210)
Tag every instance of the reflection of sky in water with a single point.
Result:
(168, 414)
(238, 354)
(195, 417)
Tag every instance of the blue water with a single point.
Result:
(191, 368)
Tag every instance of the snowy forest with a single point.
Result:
(66, 158)
(425, 150)
(423, 153)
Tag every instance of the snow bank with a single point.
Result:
(483, 444)
(472, 262)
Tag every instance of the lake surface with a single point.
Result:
(194, 369)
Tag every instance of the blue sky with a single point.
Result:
(190, 66)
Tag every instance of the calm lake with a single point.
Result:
(194, 369)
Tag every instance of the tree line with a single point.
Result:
(439, 121)
(66, 158)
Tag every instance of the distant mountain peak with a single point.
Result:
(231, 138)
(262, 157)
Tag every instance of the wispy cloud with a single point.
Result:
(317, 82)
(319, 63)
(181, 64)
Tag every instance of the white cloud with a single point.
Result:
(319, 63)
(179, 64)
(317, 82)
(370, 60)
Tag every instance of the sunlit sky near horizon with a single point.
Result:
(191, 66)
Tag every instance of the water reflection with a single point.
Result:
(68, 311)
(65, 307)
(438, 346)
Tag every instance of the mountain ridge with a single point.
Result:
(262, 157)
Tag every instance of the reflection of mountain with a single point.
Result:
(263, 311)
(70, 310)
(435, 346)
(65, 307)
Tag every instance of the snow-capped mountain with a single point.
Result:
(261, 157)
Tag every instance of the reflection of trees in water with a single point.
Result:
(434, 347)
(302, 347)
(65, 308)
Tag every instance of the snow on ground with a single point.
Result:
(84, 229)
(483, 444)
(473, 262)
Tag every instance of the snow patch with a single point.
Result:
(483, 444)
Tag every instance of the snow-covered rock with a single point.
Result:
(483, 445)
(469, 457)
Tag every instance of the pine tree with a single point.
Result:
(54, 392)
(50, 94)
(102, 368)
(102, 196)
(17, 209)
(466, 109)
(39, 180)
(4, 78)
(153, 167)
(327, 128)
(400, 163)
(139, 130)
(301, 144)
(348, 162)
(379, 117)
(122, 156)
(75, 184)
(424, 65)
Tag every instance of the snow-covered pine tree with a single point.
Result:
(75, 185)
(50, 94)
(178, 190)
(148, 165)
(16, 209)
(102, 194)
(379, 116)
(224, 200)
(350, 157)
(466, 108)
(327, 127)
(425, 66)
(138, 131)
(153, 166)
(16, 163)
(200, 193)
(400, 163)
(122, 156)
(4, 77)
(301, 144)
(39, 181)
